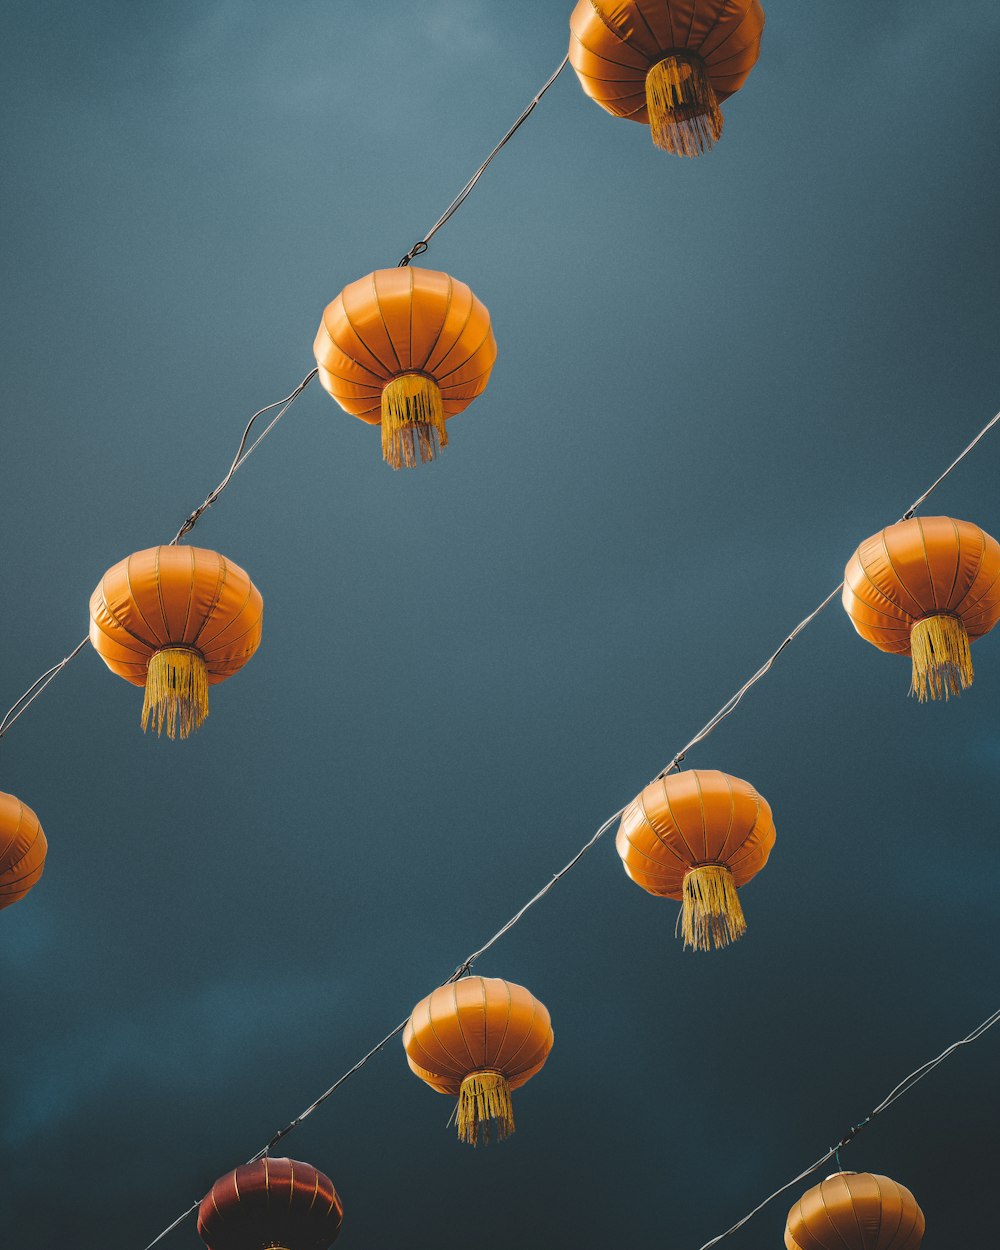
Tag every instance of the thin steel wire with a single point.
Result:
(902, 1088)
(421, 245)
(243, 454)
(726, 710)
(18, 709)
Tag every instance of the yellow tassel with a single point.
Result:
(412, 420)
(484, 1096)
(711, 912)
(942, 663)
(176, 691)
(684, 115)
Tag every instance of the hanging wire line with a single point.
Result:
(954, 465)
(37, 686)
(466, 965)
(243, 453)
(421, 245)
(902, 1088)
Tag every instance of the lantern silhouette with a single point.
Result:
(926, 588)
(479, 1038)
(22, 849)
(855, 1211)
(408, 349)
(273, 1204)
(697, 837)
(666, 63)
(175, 620)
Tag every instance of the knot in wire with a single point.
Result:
(417, 249)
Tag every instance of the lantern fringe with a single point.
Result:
(413, 420)
(684, 114)
(942, 662)
(484, 1096)
(711, 912)
(176, 691)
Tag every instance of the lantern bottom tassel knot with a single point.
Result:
(484, 1097)
(412, 420)
(684, 114)
(176, 691)
(942, 663)
(711, 912)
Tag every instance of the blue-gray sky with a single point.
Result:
(715, 378)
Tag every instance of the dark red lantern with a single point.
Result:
(273, 1204)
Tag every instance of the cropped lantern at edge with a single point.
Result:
(855, 1211)
(696, 837)
(175, 620)
(926, 587)
(271, 1204)
(406, 349)
(478, 1039)
(666, 63)
(22, 849)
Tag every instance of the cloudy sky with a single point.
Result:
(715, 378)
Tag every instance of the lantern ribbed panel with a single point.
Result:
(22, 849)
(477, 1024)
(175, 596)
(397, 321)
(855, 1211)
(273, 1202)
(690, 819)
(918, 568)
(615, 43)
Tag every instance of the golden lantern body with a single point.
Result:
(666, 63)
(927, 588)
(855, 1211)
(478, 1039)
(697, 836)
(175, 620)
(406, 349)
(22, 849)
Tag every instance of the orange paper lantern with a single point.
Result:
(175, 620)
(22, 849)
(926, 588)
(666, 63)
(696, 837)
(855, 1211)
(408, 349)
(271, 1203)
(479, 1038)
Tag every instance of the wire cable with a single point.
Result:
(242, 456)
(466, 965)
(18, 709)
(902, 1088)
(421, 245)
